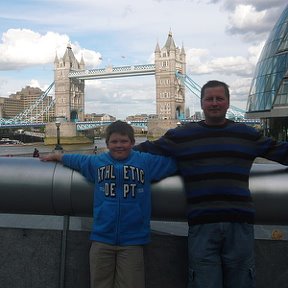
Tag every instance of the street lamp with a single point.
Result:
(58, 146)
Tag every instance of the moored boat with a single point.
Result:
(7, 141)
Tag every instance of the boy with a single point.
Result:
(122, 205)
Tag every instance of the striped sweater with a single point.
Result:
(215, 163)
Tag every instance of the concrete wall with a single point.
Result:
(31, 258)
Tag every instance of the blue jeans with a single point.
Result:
(221, 255)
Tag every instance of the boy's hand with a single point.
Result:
(52, 157)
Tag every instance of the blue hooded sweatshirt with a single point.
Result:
(122, 193)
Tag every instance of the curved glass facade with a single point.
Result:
(269, 87)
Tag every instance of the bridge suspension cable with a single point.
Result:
(27, 115)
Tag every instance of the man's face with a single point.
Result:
(214, 105)
(119, 146)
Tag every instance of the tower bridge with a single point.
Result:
(70, 75)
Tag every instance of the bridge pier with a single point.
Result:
(158, 127)
(68, 134)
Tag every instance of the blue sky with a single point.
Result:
(222, 40)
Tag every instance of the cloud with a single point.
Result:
(34, 83)
(239, 89)
(201, 62)
(121, 97)
(246, 18)
(254, 52)
(253, 25)
(258, 4)
(252, 19)
(23, 48)
(91, 58)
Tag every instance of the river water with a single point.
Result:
(27, 149)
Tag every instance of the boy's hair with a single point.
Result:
(120, 127)
(216, 83)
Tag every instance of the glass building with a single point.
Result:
(268, 96)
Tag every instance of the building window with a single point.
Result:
(165, 63)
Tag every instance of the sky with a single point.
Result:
(222, 39)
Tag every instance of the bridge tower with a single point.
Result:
(170, 93)
(69, 93)
(69, 96)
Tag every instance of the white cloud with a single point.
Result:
(245, 17)
(253, 19)
(23, 48)
(239, 90)
(258, 4)
(203, 63)
(34, 83)
(126, 96)
(254, 52)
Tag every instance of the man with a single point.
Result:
(214, 157)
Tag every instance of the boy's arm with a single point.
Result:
(57, 157)
(80, 163)
(161, 167)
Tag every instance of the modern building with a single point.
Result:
(10, 107)
(99, 117)
(22, 101)
(138, 117)
(268, 96)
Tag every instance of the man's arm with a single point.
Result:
(163, 146)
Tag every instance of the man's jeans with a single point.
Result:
(221, 255)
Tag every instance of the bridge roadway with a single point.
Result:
(114, 72)
(85, 125)
(80, 126)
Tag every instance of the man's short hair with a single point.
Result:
(120, 127)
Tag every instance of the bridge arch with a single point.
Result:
(74, 116)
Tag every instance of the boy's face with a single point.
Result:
(119, 146)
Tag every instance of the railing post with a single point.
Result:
(66, 220)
